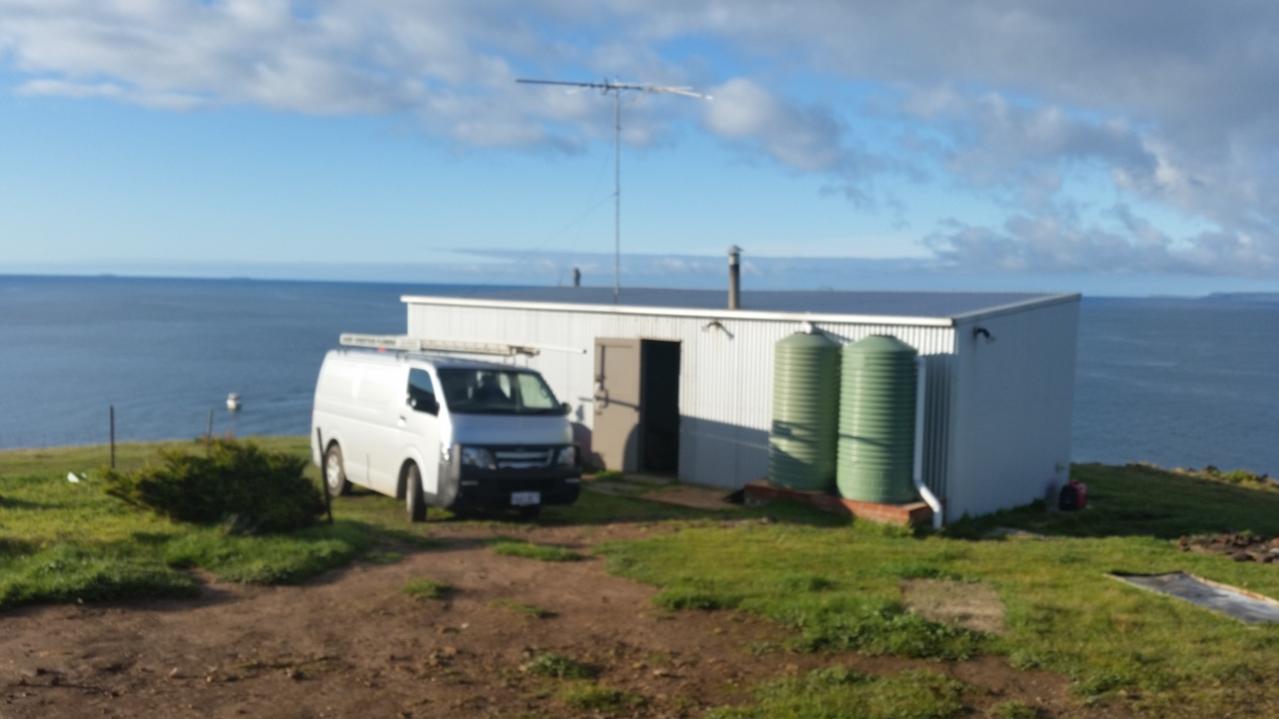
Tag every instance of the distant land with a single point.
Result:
(1243, 297)
(550, 268)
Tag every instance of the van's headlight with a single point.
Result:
(567, 457)
(478, 457)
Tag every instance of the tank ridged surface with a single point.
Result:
(801, 445)
(877, 421)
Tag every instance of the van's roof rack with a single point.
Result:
(404, 343)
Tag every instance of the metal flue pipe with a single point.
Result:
(734, 277)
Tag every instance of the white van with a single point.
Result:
(442, 431)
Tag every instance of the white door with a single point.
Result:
(617, 403)
(420, 427)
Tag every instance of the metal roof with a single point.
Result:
(927, 308)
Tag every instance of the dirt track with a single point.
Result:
(352, 644)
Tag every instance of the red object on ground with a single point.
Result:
(1074, 496)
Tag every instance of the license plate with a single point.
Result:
(525, 499)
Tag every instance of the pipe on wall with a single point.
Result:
(734, 277)
(917, 473)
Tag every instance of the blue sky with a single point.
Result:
(1110, 150)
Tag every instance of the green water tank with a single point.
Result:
(801, 445)
(877, 421)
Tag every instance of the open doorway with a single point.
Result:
(659, 406)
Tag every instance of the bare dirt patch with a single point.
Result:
(965, 604)
(1239, 546)
(354, 643)
(693, 497)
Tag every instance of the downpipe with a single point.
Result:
(917, 473)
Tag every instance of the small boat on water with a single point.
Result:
(233, 402)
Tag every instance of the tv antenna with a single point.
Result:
(617, 88)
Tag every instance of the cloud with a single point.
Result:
(1059, 239)
(1169, 103)
(804, 138)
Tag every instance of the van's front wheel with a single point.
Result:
(335, 472)
(414, 501)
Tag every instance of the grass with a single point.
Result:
(528, 550)
(523, 609)
(588, 696)
(835, 693)
(558, 666)
(1013, 710)
(836, 585)
(61, 541)
(1161, 656)
(423, 589)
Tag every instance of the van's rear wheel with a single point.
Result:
(414, 501)
(335, 472)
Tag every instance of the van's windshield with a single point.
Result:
(496, 391)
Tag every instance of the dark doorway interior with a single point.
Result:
(659, 407)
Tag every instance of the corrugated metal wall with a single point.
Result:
(726, 370)
(937, 419)
(1013, 387)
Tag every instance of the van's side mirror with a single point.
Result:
(428, 405)
(566, 409)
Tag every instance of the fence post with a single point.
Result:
(208, 436)
(111, 421)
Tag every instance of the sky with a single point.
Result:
(1110, 148)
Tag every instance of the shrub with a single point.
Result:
(255, 490)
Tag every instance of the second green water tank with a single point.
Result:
(801, 445)
(877, 421)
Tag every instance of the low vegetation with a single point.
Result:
(588, 696)
(523, 609)
(251, 489)
(1062, 612)
(424, 589)
(529, 550)
(1014, 709)
(835, 693)
(65, 541)
(558, 666)
(837, 586)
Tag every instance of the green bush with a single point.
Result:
(252, 489)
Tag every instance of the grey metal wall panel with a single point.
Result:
(726, 370)
(1013, 394)
(937, 421)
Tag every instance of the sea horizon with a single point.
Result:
(1174, 381)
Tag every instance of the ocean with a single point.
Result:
(1177, 382)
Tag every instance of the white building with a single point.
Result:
(671, 381)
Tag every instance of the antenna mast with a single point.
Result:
(617, 88)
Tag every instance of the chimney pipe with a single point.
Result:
(577, 277)
(734, 277)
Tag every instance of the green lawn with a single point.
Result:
(61, 541)
(838, 586)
